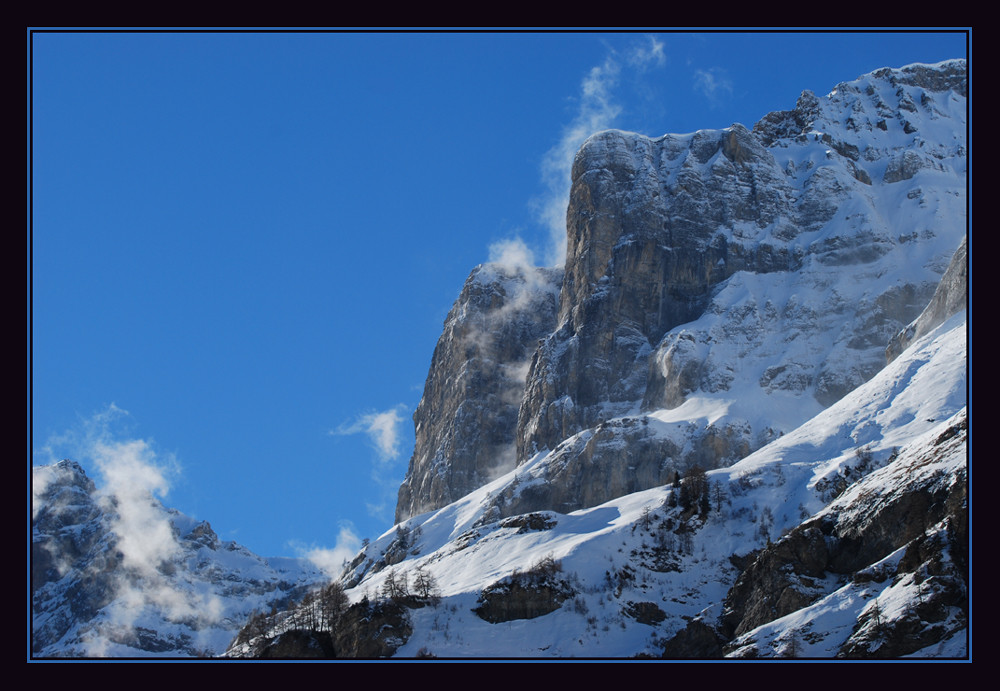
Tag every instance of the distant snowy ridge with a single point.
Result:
(185, 593)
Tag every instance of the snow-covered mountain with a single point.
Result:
(119, 575)
(687, 442)
(710, 456)
(720, 289)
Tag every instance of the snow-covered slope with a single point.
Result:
(854, 512)
(115, 575)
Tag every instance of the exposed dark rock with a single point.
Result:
(950, 76)
(299, 644)
(696, 641)
(645, 612)
(778, 581)
(524, 595)
(905, 165)
(517, 600)
(372, 630)
(203, 534)
(529, 522)
(865, 525)
(937, 612)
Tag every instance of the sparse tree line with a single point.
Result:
(320, 610)
(696, 493)
(323, 610)
(397, 586)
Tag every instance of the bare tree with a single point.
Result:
(395, 586)
(332, 604)
(719, 495)
(425, 586)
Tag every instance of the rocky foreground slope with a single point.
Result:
(846, 538)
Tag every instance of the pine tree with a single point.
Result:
(403, 537)
(793, 648)
(685, 496)
(694, 490)
(766, 523)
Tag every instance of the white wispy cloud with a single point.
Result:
(132, 477)
(713, 84)
(330, 560)
(649, 54)
(383, 430)
(598, 110)
(512, 254)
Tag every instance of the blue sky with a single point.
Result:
(244, 246)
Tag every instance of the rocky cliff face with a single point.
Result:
(719, 289)
(467, 418)
(645, 247)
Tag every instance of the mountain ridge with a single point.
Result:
(829, 481)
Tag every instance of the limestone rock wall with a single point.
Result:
(467, 418)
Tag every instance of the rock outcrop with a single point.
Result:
(364, 630)
(903, 526)
(950, 297)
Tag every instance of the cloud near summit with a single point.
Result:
(598, 109)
